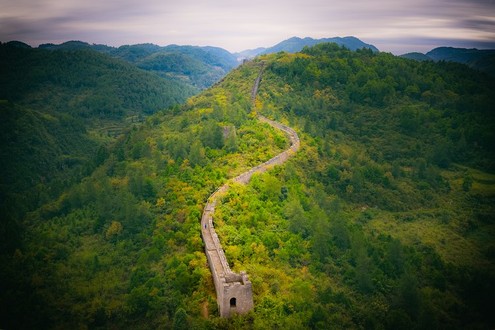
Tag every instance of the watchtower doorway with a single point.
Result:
(233, 302)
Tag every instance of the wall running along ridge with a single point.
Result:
(234, 291)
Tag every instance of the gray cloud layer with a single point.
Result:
(392, 25)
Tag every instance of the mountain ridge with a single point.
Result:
(383, 219)
(198, 66)
(296, 44)
(230, 59)
(479, 59)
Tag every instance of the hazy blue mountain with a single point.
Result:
(249, 53)
(224, 58)
(460, 55)
(213, 56)
(182, 67)
(296, 44)
(483, 60)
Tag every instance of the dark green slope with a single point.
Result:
(79, 93)
(399, 163)
(127, 232)
(83, 83)
(59, 111)
(384, 218)
(198, 67)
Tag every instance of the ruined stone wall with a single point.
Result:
(234, 291)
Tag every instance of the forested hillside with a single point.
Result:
(58, 111)
(83, 83)
(198, 67)
(392, 198)
(384, 218)
(129, 232)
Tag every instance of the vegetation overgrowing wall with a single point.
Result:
(234, 291)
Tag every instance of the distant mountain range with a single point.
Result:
(296, 44)
(482, 60)
(201, 67)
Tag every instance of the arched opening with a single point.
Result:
(233, 302)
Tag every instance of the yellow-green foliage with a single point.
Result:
(383, 219)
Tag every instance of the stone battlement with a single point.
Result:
(234, 291)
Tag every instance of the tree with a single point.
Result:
(180, 320)
(231, 140)
(321, 239)
(395, 257)
(114, 230)
(467, 182)
(298, 222)
(197, 154)
(409, 295)
(212, 135)
(341, 234)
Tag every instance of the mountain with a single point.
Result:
(416, 56)
(19, 44)
(249, 53)
(59, 111)
(73, 45)
(83, 82)
(383, 219)
(460, 55)
(199, 67)
(483, 60)
(296, 44)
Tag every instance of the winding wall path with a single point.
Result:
(234, 291)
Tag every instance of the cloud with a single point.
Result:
(237, 25)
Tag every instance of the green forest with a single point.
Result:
(384, 219)
(196, 67)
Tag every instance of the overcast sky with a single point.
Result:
(396, 26)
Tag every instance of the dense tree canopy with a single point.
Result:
(384, 218)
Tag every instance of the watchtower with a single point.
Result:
(236, 295)
(234, 291)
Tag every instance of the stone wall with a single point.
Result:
(234, 291)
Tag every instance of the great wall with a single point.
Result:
(234, 291)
